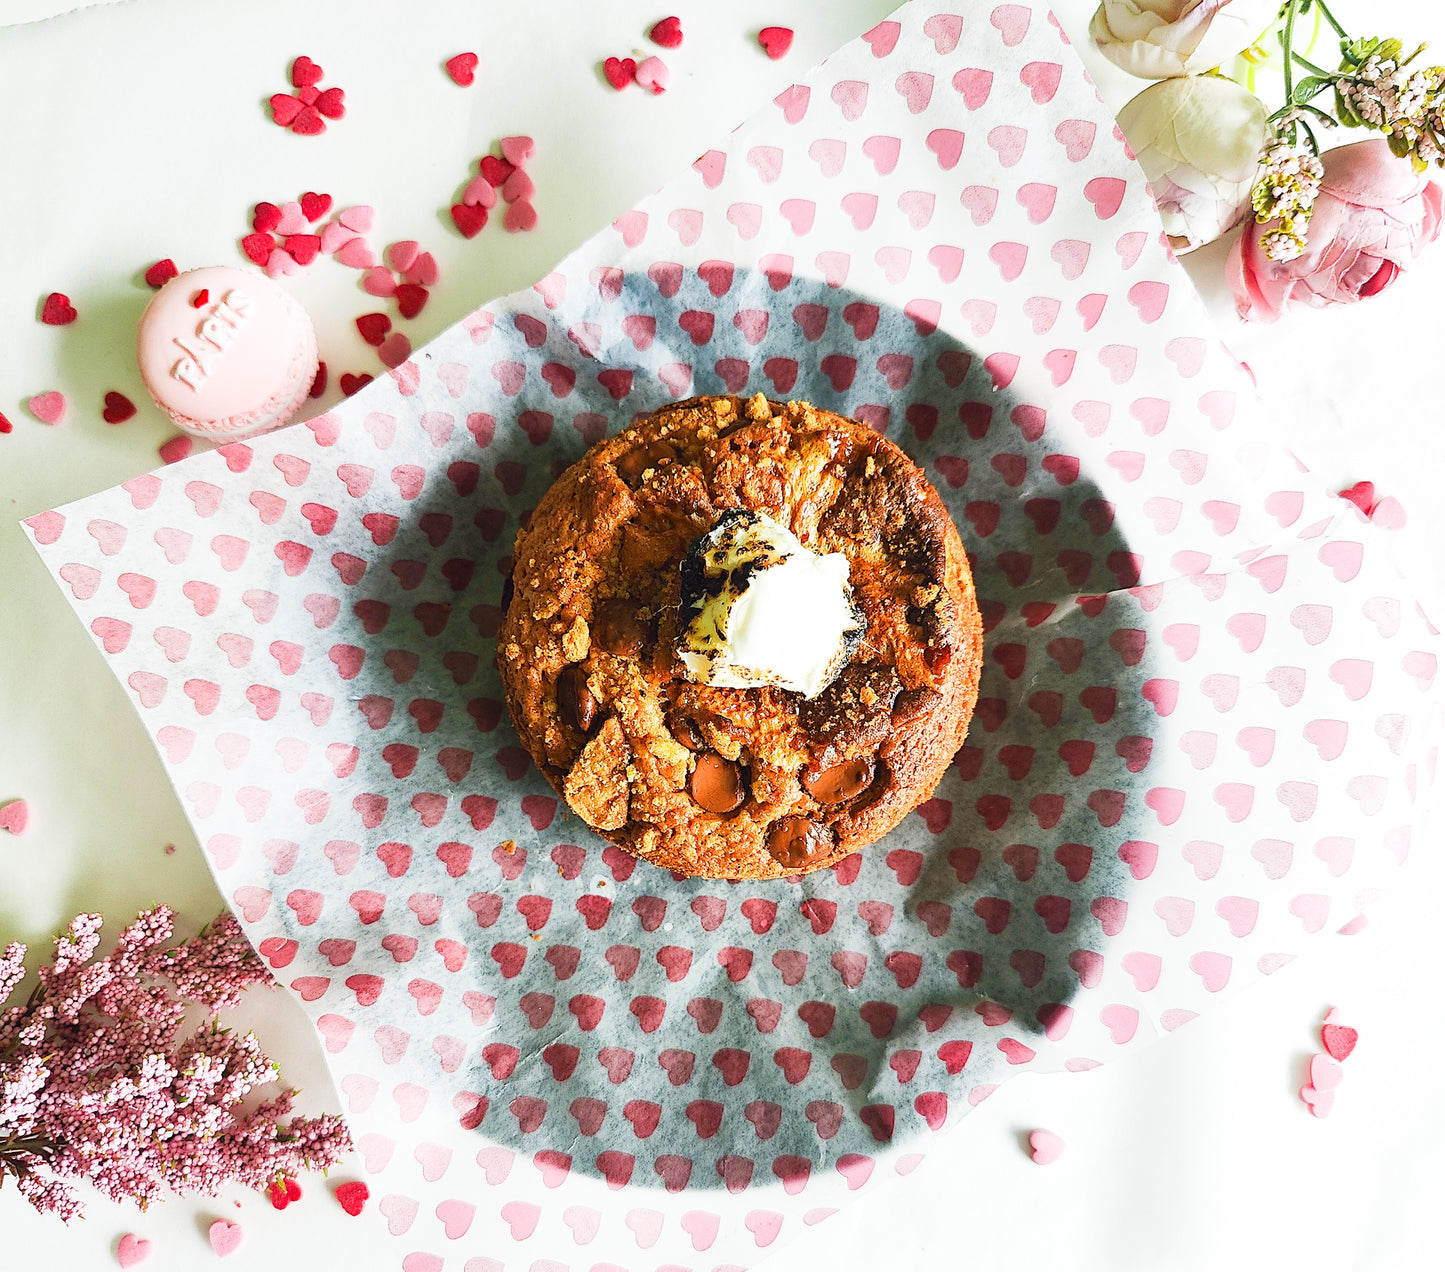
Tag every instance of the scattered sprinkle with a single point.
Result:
(463, 68)
(48, 408)
(57, 311)
(411, 298)
(620, 71)
(353, 383)
(258, 248)
(521, 216)
(468, 219)
(265, 218)
(379, 282)
(652, 73)
(423, 271)
(170, 850)
(5, 425)
(132, 1250)
(177, 449)
(159, 274)
(395, 349)
(776, 41)
(1339, 1040)
(359, 218)
(517, 151)
(118, 408)
(373, 328)
(314, 206)
(1045, 1147)
(225, 1237)
(480, 193)
(496, 170)
(15, 816)
(200, 298)
(304, 248)
(401, 255)
(318, 385)
(352, 1196)
(667, 33)
(1362, 495)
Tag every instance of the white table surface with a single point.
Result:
(1195, 1154)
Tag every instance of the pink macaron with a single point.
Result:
(226, 353)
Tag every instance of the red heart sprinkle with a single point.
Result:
(469, 220)
(265, 218)
(303, 247)
(307, 96)
(318, 385)
(495, 170)
(1339, 1040)
(373, 328)
(410, 299)
(57, 310)
(308, 123)
(353, 383)
(314, 206)
(463, 68)
(620, 71)
(159, 274)
(1362, 495)
(118, 408)
(258, 248)
(285, 108)
(331, 103)
(667, 33)
(5, 425)
(352, 1196)
(175, 450)
(304, 71)
(200, 298)
(776, 41)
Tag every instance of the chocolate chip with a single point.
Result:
(796, 841)
(509, 589)
(575, 703)
(840, 782)
(716, 784)
(685, 730)
(912, 703)
(619, 629)
(636, 462)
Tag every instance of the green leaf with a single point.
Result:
(1310, 88)
(1346, 116)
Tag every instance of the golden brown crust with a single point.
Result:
(596, 590)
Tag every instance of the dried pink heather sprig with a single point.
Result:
(100, 1080)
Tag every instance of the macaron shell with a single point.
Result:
(230, 363)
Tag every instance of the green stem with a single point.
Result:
(1330, 18)
(1288, 39)
(1311, 67)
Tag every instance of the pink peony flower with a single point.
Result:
(1159, 39)
(1373, 215)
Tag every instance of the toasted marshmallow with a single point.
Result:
(758, 608)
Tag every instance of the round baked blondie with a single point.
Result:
(738, 782)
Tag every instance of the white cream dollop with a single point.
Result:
(761, 609)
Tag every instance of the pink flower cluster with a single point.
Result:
(101, 1079)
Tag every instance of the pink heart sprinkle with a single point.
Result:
(15, 816)
(395, 349)
(400, 255)
(652, 73)
(480, 193)
(293, 220)
(359, 218)
(1325, 1074)
(335, 236)
(132, 1250)
(356, 253)
(48, 408)
(518, 150)
(521, 216)
(1045, 1147)
(423, 271)
(378, 281)
(225, 1237)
